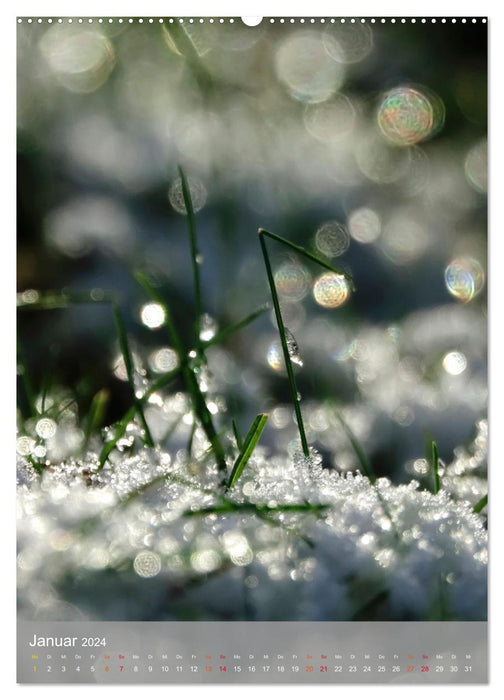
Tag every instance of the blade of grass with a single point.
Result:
(54, 300)
(96, 415)
(37, 466)
(63, 408)
(246, 451)
(231, 507)
(433, 460)
(285, 348)
(46, 385)
(184, 46)
(143, 280)
(481, 504)
(191, 438)
(118, 433)
(27, 384)
(357, 447)
(234, 327)
(307, 254)
(198, 400)
(128, 362)
(236, 432)
(271, 520)
(160, 383)
(173, 427)
(194, 253)
(366, 467)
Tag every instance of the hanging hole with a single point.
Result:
(251, 21)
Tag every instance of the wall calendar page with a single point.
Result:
(252, 393)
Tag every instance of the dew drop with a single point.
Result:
(208, 327)
(293, 348)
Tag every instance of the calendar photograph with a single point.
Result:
(251, 348)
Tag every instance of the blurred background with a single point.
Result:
(364, 143)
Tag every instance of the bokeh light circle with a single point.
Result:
(349, 44)
(476, 166)
(332, 121)
(147, 564)
(305, 67)
(152, 315)
(45, 428)
(464, 278)
(332, 239)
(197, 191)
(364, 225)
(82, 58)
(407, 115)
(454, 362)
(331, 290)
(292, 281)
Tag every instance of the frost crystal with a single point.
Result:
(301, 542)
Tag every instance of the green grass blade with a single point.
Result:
(46, 385)
(205, 418)
(435, 466)
(234, 327)
(236, 432)
(194, 252)
(183, 44)
(173, 427)
(128, 362)
(366, 468)
(55, 300)
(198, 400)
(481, 504)
(27, 384)
(311, 256)
(37, 466)
(285, 348)
(432, 459)
(249, 445)
(143, 280)
(96, 414)
(259, 508)
(118, 433)
(191, 438)
(160, 383)
(358, 449)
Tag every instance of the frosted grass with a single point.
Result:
(298, 540)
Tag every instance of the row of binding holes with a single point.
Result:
(282, 20)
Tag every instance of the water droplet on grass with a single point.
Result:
(293, 348)
(208, 327)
